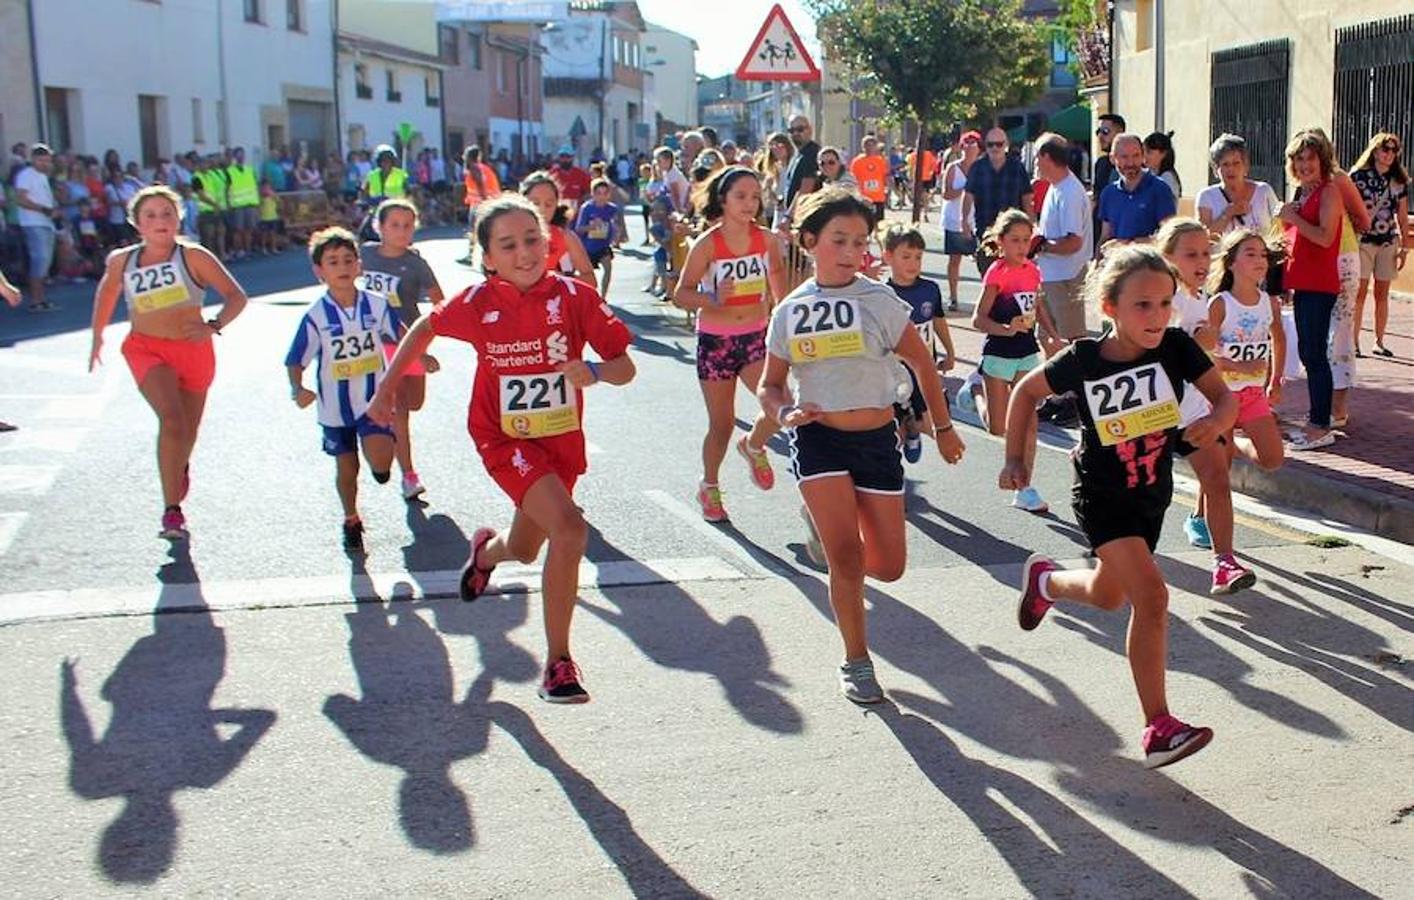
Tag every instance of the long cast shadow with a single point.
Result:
(1059, 729)
(407, 716)
(668, 625)
(163, 735)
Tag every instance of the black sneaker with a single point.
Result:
(353, 535)
(561, 683)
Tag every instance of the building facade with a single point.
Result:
(389, 77)
(19, 95)
(492, 87)
(201, 92)
(670, 59)
(594, 80)
(1264, 70)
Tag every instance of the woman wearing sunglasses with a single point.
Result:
(1384, 186)
(833, 171)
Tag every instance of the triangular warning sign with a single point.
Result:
(777, 53)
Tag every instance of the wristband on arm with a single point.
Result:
(593, 368)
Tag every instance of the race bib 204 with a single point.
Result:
(748, 275)
(825, 328)
(538, 406)
(156, 287)
(1132, 404)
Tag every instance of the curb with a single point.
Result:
(1297, 486)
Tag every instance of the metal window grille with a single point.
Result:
(1374, 84)
(1250, 92)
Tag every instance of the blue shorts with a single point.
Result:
(39, 244)
(1004, 369)
(344, 438)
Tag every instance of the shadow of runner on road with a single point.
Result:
(1295, 632)
(406, 717)
(675, 631)
(163, 735)
(1072, 856)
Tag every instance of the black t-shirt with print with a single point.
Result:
(1137, 469)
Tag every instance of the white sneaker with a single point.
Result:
(1030, 500)
(412, 486)
(965, 400)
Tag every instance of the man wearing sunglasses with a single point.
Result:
(803, 173)
(995, 183)
(1111, 125)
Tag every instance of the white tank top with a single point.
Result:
(159, 286)
(1188, 311)
(952, 209)
(1246, 335)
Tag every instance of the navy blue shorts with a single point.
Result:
(870, 458)
(344, 439)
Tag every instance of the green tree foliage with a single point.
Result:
(938, 61)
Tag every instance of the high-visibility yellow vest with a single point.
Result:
(396, 186)
(244, 189)
(213, 184)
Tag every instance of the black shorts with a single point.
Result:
(1105, 518)
(870, 458)
(599, 256)
(955, 243)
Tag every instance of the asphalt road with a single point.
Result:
(284, 740)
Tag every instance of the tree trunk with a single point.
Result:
(918, 192)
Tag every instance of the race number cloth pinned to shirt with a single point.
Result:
(383, 283)
(1132, 404)
(537, 406)
(747, 272)
(162, 285)
(825, 328)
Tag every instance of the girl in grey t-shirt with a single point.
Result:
(838, 337)
(393, 268)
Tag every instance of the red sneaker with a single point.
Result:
(561, 683)
(474, 579)
(1033, 607)
(760, 463)
(1167, 740)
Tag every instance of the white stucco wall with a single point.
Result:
(378, 117)
(675, 80)
(172, 50)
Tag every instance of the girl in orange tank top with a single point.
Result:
(732, 276)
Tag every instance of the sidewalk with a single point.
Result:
(1366, 479)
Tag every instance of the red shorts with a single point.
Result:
(193, 361)
(1252, 404)
(415, 368)
(516, 465)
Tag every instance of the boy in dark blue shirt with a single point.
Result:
(903, 254)
(596, 226)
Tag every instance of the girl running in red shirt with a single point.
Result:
(529, 328)
(566, 252)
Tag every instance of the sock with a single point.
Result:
(382, 477)
(1042, 584)
(175, 507)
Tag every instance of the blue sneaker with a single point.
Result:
(913, 448)
(1196, 529)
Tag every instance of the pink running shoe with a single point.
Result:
(1230, 576)
(709, 497)
(1167, 740)
(174, 524)
(474, 579)
(1033, 607)
(561, 684)
(760, 463)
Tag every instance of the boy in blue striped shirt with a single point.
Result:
(345, 332)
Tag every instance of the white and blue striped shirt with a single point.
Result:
(349, 346)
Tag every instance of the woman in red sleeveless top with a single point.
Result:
(1313, 223)
(565, 253)
(732, 277)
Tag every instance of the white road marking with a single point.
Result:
(693, 519)
(324, 590)
(10, 524)
(52, 440)
(28, 480)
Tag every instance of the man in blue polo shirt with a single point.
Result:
(1132, 208)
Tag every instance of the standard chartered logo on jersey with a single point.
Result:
(557, 347)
